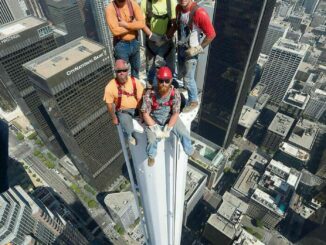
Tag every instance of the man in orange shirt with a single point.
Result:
(125, 19)
(124, 92)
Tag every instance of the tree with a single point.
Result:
(92, 204)
(20, 136)
(38, 180)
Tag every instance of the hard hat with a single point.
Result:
(164, 73)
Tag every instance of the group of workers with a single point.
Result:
(160, 104)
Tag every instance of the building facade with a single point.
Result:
(274, 32)
(10, 10)
(231, 63)
(20, 42)
(281, 67)
(24, 221)
(71, 81)
(65, 15)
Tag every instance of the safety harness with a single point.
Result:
(150, 14)
(156, 105)
(193, 10)
(123, 92)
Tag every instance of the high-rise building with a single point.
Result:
(281, 67)
(274, 32)
(70, 81)
(104, 34)
(65, 14)
(4, 134)
(34, 8)
(24, 221)
(20, 42)
(310, 6)
(231, 63)
(10, 10)
(316, 106)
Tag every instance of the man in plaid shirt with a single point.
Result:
(161, 109)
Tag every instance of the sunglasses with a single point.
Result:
(163, 80)
(124, 70)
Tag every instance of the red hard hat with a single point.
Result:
(164, 73)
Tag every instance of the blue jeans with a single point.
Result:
(179, 130)
(166, 51)
(129, 51)
(186, 71)
(125, 119)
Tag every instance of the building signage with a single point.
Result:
(86, 63)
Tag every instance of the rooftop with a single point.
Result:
(64, 57)
(247, 239)
(296, 98)
(304, 134)
(266, 200)
(18, 26)
(290, 46)
(194, 179)
(117, 201)
(294, 151)
(281, 124)
(257, 159)
(248, 116)
(247, 181)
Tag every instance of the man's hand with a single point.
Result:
(157, 39)
(123, 23)
(166, 131)
(193, 51)
(115, 120)
(156, 129)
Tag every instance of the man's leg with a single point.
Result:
(150, 66)
(189, 79)
(125, 120)
(169, 55)
(184, 135)
(134, 58)
(151, 148)
(121, 51)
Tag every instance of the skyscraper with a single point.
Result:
(23, 221)
(20, 42)
(65, 14)
(105, 36)
(10, 10)
(34, 8)
(310, 6)
(71, 81)
(274, 32)
(281, 68)
(241, 26)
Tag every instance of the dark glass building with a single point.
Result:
(20, 42)
(70, 81)
(65, 15)
(241, 26)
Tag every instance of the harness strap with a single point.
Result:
(117, 10)
(156, 105)
(123, 92)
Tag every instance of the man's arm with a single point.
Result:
(148, 119)
(173, 120)
(113, 23)
(111, 110)
(139, 21)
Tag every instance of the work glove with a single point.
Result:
(156, 129)
(193, 51)
(166, 131)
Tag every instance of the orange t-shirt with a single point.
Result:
(137, 24)
(127, 102)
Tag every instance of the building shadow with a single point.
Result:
(4, 137)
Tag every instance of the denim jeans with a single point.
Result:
(186, 71)
(179, 130)
(125, 119)
(129, 51)
(166, 51)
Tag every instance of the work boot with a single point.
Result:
(190, 107)
(195, 155)
(151, 161)
(132, 140)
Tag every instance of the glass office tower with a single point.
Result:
(241, 26)
(70, 81)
